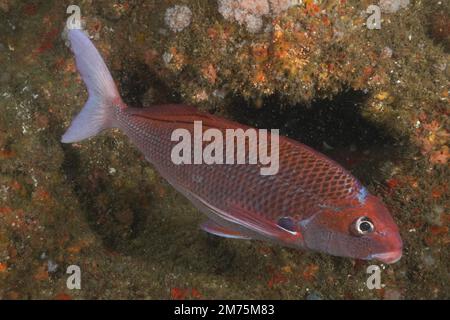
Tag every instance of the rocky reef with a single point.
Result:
(376, 100)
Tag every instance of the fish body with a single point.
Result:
(311, 203)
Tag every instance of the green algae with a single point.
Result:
(99, 205)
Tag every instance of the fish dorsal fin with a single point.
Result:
(184, 115)
(171, 112)
(215, 229)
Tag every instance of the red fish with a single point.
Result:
(311, 203)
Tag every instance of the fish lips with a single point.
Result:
(387, 257)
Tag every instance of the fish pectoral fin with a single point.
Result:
(235, 214)
(216, 229)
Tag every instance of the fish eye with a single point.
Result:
(363, 225)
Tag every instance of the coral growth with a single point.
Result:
(177, 18)
(251, 12)
(392, 6)
(98, 204)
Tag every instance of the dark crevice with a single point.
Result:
(140, 87)
(334, 127)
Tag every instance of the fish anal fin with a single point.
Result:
(216, 229)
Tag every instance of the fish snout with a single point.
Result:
(393, 249)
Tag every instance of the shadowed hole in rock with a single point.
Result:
(334, 127)
(140, 87)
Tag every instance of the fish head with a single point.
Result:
(366, 231)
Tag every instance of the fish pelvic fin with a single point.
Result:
(98, 113)
(216, 229)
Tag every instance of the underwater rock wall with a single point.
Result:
(99, 205)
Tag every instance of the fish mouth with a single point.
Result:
(388, 257)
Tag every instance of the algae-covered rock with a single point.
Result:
(375, 100)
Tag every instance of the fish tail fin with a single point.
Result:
(98, 113)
